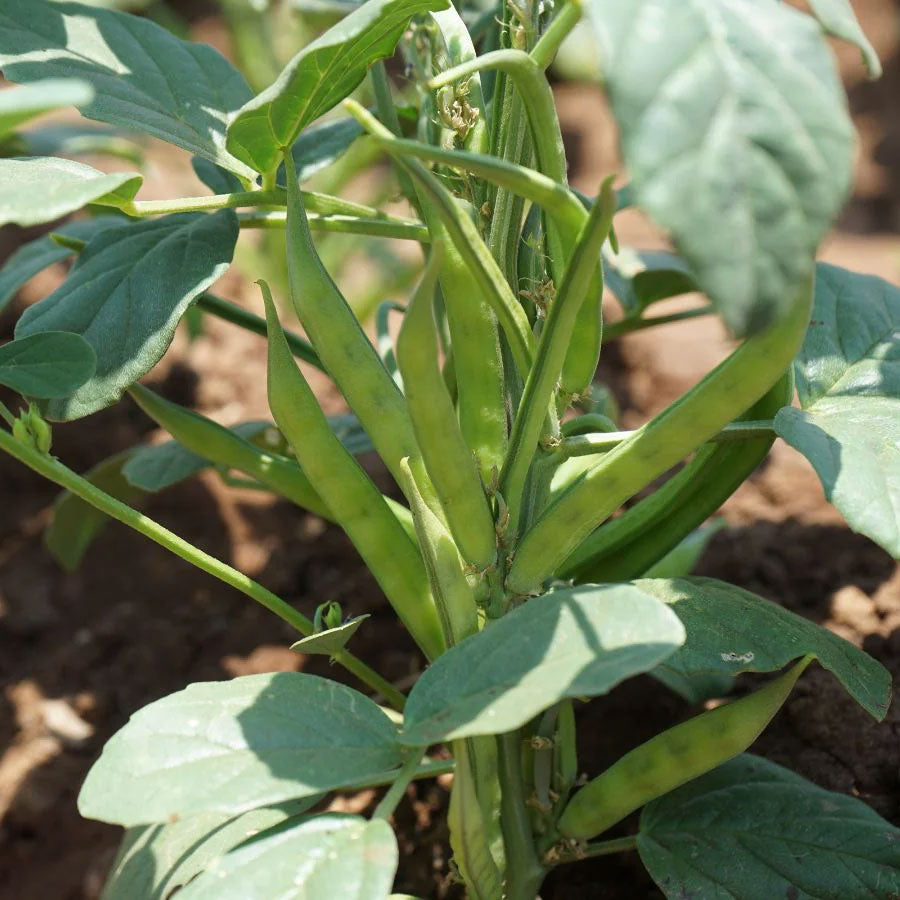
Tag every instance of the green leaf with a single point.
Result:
(321, 75)
(735, 130)
(37, 255)
(33, 191)
(53, 364)
(577, 642)
(320, 146)
(838, 19)
(641, 277)
(319, 858)
(159, 466)
(24, 103)
(76, 523)
(754, 829)
(155, 861)
(848, 382)
(232, 746)
(125, 295)
(144, 78)
(331, 640)
(730, 630)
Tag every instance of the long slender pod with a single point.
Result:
(448, 461)
(726, 392)
(343, 347)
(551, 352)
(357, 505)
(673, 757)
(625, 547)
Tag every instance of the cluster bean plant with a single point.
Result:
(533, 550)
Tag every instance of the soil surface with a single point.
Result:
(81, 651)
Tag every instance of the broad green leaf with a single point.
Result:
(125, 295)
(322, 857)
(321, 75)
(41, 190)
(232, 746)
(848, 382)
(730, 630)
(320, 146)
(837, 18)
(53, 364)
(144, 78)
(754, 829)
(24, 103)
(641, 277)
(331, 640)
(156, 860)
(159, 466)
(76, 523)
(37, 255)
(577, 642)
(735, 131)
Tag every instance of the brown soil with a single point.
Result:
(82, 651)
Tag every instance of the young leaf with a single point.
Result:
(76, 523)
(729, 630)
(24, 103)
(231, 746)
(735, 130)
(154, 861)
(331, 640)
(321, 75)
(577, 642)
(33, 191)
(848, 382)
(838, 18)
(51, 364)
(318, 858)
(126, 294)
(37, 255)
(158, 466)
(754, 829)
(144, 78)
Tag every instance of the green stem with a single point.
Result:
(7, 415)
(587, 444)
(536, 94)
(545, 49)
(597, 848)
(395, 792)
(53, 470)
(385, 226)
(432, 768)
(524, 872)
(231, 312)
(626, 326)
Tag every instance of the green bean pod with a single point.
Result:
(453, 595)
(625, 547)
(674, 757)
(477, 363)
(726, 392)
(349, 493)
(448, 461)
(343, 347)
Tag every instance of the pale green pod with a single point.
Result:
(448, 461)
(356, 504)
